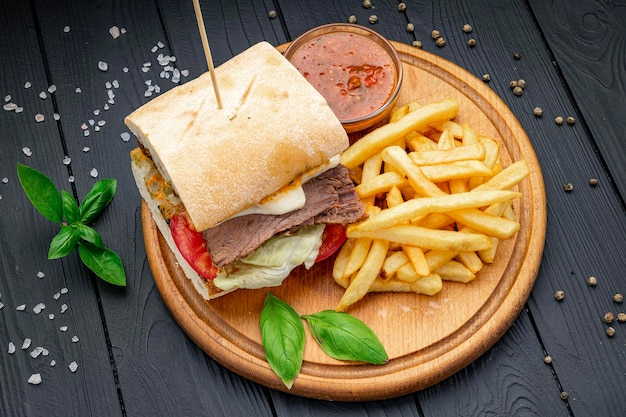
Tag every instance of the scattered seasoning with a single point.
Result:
(592, 281)
(410, 27)
(401, 7)
(537, 111)
(352, 19)
(521, 83)
(94, 173)
(367, 4)
(435, 34)
(66, 29)
(618, 298)
(11, 348)
(559, 120)
(610, 331)
(547, 359)
(373, 19)
(103, 66)
(564, 395)
(467, 28)
(75, 339)
(125, 136)
(40, 274)
(52, 89)
(35, 379)
(593, 182)
(440, 42)
(517, 55)
(559, 295)
(39, 118)
(621, 317)
(513, 84)
(568, 187)
(471, 42)
(570, 120)
(73, 366)
(26, 343)
(417, 44)
(114, 31)
(272, 14)
(608, 317)
(486, 77)
(518, 91)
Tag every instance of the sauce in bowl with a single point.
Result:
(353, 73)
(356, 70)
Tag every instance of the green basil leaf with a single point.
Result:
(103, 262)
(89, 234)
(70, 207)
(41, 192)
(344, 337)
(283, 337)
(96, 200)
(63, 243)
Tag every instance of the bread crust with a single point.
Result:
(273, 127)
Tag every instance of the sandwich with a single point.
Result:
(245, 193)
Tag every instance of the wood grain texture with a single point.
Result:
(423, 351)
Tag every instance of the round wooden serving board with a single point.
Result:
(427, 338)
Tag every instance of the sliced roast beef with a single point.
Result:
(330, 198)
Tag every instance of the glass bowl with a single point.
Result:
(356, 69)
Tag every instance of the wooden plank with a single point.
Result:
(24, 239)
(587, 42)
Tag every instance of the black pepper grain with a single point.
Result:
(559, 295)
(610, 331)
(410, 27)
(441, 42)
(272, 14)
(568, 186)
(593, 182)
(570, 120)
(608, 317)
(471, 42)
(401, 7)
(435, 34)
(517, 55)
(621, 317)
(518, 91)
(352, 19)
(592, 281)
(417, 44)
(547, 359)
(618, 298)
(559, 120)
(467, 28)
(486, 77)
(537, 111)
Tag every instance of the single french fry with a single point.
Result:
(388, 134)
(429, 285)
(428, 238)
(484, 223)
(392, 263)
(426, 205)
(446, 141)
(361, 283)
(471, 261)
(434, 221)
(455, 271)
(357, 256)
(436, 258)
(492, 150)
(380, 184)
(394, 197)
(507, 178)
(398, 112)
(454, 128)
(489, 255)
(469, 136)
(420, 143)
(475, 151)
(417, 259)
(455, 170)
(341, 261)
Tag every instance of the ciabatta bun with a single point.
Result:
(273, 127)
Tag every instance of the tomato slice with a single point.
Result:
(192, 246)
(333, 237)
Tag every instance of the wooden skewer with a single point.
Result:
(207, 51)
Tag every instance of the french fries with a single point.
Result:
(438, 199)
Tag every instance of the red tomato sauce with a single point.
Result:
(353, 73)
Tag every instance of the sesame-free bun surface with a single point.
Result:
(273, 127)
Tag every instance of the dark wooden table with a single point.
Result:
(131, 357)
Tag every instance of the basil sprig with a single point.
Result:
(74, 220)
(340, 335)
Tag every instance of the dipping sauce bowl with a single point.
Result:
(357, 70)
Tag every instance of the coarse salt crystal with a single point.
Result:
(63, 308)
(125, 69)
(63, 328)
(7, 97)
(75, 339)
(52, 88)
(56, 116)
(64, 290)
(27, 84)
(66, 29)
(125, 136)
(96, 112)
(101, 122)
(70, 178)
(67, 160)
(115, 32)
(51, 316)
(78, 90)
(91, 122)
(116, 84)
(123, 30)
(86, 133)
(86, 149)
(56, 295)
(184, 72)
(154, 49)
(40, 274)
(19, 109)
(73, 366)
(39, 118)
(53, 362)
(11, 348)
(21, 307)
(26, 343)
(5, 180)
(94, 173)
(1, 303)
(43, 95)
(103, 66)
(10, 106)
(35, 379)
(97, 128)
(106, 107)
